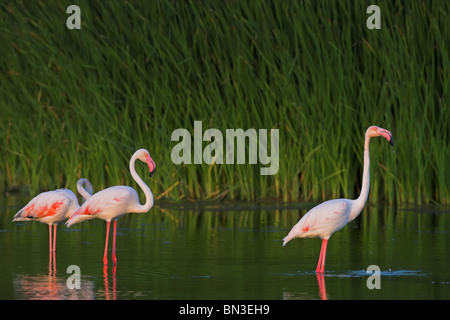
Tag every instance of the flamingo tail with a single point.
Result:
(18, 217)
(77, 218)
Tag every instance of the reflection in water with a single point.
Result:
(362, 274)
(321, 284)
(303, 295)
(52, 263)
(54, 287)
(108, 295)
(51, 287)
(231, 253)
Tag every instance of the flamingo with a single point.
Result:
(330, 216)
(52, 207)
(114, 202)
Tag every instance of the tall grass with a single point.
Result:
(78, 103)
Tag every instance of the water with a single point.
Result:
(218, 252)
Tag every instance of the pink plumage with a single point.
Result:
(53, 207)
(323, 220)
(49, 207)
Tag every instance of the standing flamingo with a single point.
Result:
(112, 203)
(330, 216)
(52, 207)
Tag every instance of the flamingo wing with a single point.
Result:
(48, 204)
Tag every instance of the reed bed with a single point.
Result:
(78, 103)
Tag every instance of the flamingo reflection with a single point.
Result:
(322, 288)
(51, 287)
(106, 282)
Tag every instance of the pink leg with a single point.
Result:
(105, 258)
(114, 244)
(323, 251)
(54, 237)
(320, 259)
(323, 255)
(50, 237)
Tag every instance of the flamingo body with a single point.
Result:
(330, 216)
(107, 205)
(322, 221)
(52, 207)
(49, 207)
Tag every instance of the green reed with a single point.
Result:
(78, 103)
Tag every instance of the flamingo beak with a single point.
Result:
(386, 134)
(391, 140)
(388, 137)
(151, 165)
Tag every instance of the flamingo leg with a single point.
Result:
(54, 237)
(105, 258)
(320, 259)
(50, 238)
(323, 251)
(114, 244)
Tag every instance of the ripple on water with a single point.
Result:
(363, 273)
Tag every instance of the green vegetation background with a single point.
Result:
(78, 103)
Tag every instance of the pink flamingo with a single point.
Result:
(330, 216)
(52, 207)
(114, 202)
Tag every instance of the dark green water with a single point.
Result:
(219, 253)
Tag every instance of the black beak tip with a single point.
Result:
(151, 173)
(391, 141)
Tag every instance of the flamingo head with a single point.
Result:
(145, 157)
(374, 131)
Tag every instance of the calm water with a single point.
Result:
(223, 253)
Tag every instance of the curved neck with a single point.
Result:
(85, 193)
(148, 193)
(362, 199)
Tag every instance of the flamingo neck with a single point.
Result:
(85, 193)
(360, 202)
(148, 193)
(74, 206)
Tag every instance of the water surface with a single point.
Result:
(228, 252)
